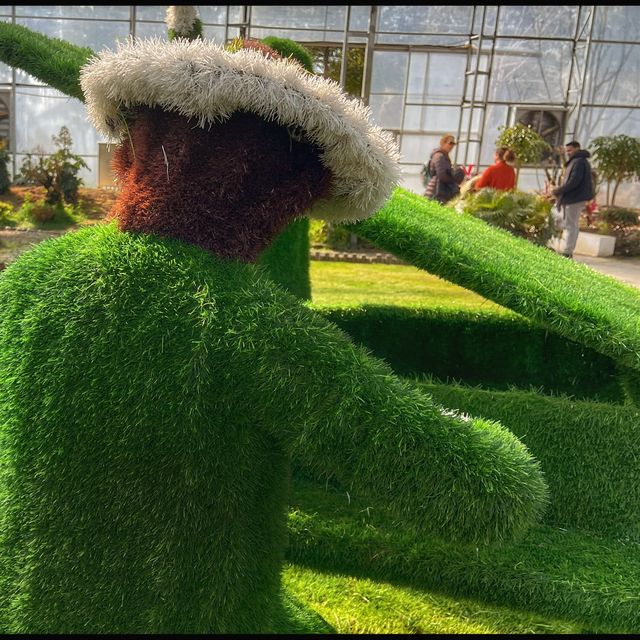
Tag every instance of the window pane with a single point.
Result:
(389, 72)
(417, 148)
(431, 119)
(386, 111)
(617, 23)
(538, 20)
(213, 14)
(84, 33)
(530, 71)
(41, 112)
(155, 12)
(425, 19)
(116, 12)
(151, 29)
(613, 74)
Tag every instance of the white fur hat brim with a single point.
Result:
(201, 80)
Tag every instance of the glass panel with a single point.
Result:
(425, 19)
(538, 20)
(360, 14)
(601, 121)
(617, 23)
(389, 71)
(613, 72)
(411, 178)
(5, 73)
(151, 29)
(431, 119)
(235, 13)
(446, 76)
(489, 19)
(299, 16)
(496, 116)
(417, 148)
(441, 40)
(152, 12)
(84, 33)
(213, 14)
(386, 111)
(214, 33)
(530, 71)
(39, 115)
(115, 12)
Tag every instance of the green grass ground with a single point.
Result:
(348, 284)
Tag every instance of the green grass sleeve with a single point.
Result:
(346, 416)
(566, 297)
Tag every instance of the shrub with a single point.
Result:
(621, 223)
(5, 179)
(57, 173)
(39, 213)
(6, 214)
(616, 158)
(528, 145)
(527, 215)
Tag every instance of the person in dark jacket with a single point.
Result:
(443, 177)
(575, 191)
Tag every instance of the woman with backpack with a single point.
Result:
(443, 179)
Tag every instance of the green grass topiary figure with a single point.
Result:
(155, 383)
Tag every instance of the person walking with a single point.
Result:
(501, 174)
(443, 177)
(576, 190)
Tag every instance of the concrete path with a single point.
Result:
(625, 269)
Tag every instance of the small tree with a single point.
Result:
(57, 173)
(528, 145)
(5, 179)
(616, 158)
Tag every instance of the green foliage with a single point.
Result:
(290, 49)
(58, 172)
(616, 159)
(578, 444)
(330, 234)
(41, 214)
(53, 61)
(527, 215)
(6, 214)
(527, 144)
(142, 354)
(568, 575)
(479, 347)
(5, 179)
(564, 296)
(286, 259)
(194, 34)
(329, 61)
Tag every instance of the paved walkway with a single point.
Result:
(625, 269)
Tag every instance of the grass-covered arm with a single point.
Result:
(347, 416)
(53, 61)
(566, 297)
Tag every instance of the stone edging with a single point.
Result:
(351, 256)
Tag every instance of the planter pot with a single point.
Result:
(595, 244)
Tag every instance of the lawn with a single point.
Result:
(349, 284)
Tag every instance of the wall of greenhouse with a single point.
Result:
(570, 71)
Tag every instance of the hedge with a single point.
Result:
(497, 351)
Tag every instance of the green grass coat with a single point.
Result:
(151, 398)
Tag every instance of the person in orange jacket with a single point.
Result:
(501, 174)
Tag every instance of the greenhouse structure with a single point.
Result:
(568, 71)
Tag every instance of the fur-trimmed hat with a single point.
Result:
(201, 80)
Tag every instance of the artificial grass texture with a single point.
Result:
(479, 347)
(152, 395)
(286, 259)
(361, 605)
(589, 452)
(53, 61)
(564, 296)
(567, 575)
